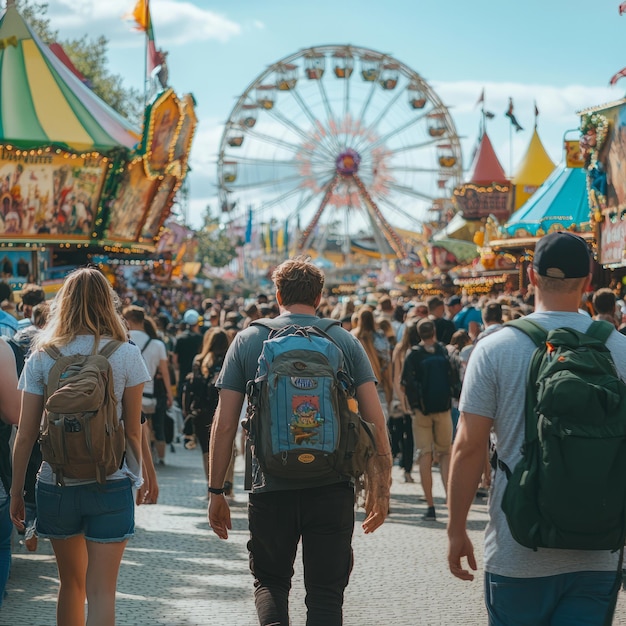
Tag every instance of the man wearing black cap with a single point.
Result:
(523, 586)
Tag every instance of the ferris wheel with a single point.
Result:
(339, 138)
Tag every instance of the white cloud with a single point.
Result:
(175, 21)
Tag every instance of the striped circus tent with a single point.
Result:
(42, 103)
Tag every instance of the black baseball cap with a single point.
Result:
(453, 300)
(562, 255)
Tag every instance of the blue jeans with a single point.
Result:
(323, 517)
(6, 530)
(576, 599)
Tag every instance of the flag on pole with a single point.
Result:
(511, 116)
(248, 235)
(619, 74)
(143, 19)
(481, 100)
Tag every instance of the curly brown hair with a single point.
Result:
(299, 281)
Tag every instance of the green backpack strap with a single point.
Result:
(600, 330)
(539, 335)
(535, 331)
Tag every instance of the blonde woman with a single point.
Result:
(87, 523)
(377, 349)
(401, 426)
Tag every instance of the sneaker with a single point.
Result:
(430, 515)
(161, 462)
(172, 448)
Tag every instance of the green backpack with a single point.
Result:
(569, 489)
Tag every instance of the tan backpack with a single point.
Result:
(82, 436)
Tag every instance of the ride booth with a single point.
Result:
(76, 178)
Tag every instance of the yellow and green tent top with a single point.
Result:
(42, 103)
(532, 171)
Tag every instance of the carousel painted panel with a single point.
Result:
(44, 194)
(603, 149)
(159, 208)
(128, 207)
(162, 130)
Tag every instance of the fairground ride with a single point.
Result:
(338, 145)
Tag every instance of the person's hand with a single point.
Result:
(460, 546)
(148, 493)
(170, 401)
(219, 515)
(377, 491)
(376, 511)
(17, 512)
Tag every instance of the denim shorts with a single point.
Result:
(103, 513)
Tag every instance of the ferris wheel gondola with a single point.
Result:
(339, 138)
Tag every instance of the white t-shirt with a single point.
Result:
(129, 370)
(494, 387)
(153, 353)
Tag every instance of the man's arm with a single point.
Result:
(466, 467)
(223, 435)
(377, 497)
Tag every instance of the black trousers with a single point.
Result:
(402, 443)
(323, 518)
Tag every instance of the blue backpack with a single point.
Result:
(302, 422)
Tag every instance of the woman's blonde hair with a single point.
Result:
(364, 332)
(214, 346)
(85, 305)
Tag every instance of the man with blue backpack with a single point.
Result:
(551, 389)
(308, 447)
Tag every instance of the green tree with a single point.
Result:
(215, 246)
(90, 58)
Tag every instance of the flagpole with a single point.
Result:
(510, 150)
(145, 56)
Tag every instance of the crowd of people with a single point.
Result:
(413, 359)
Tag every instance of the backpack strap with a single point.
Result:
(529, 327)
(146, 344)
(600, 330)
(275, 323)
(53, 352)
(110, 348)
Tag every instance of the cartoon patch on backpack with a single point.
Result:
(306, 419)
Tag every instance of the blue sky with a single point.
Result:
(558, 53)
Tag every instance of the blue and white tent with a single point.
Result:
(558, 204)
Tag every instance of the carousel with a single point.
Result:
(77, 180)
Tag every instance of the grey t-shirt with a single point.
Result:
(494, 387)
(240, 366)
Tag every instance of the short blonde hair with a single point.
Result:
(298, 281)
